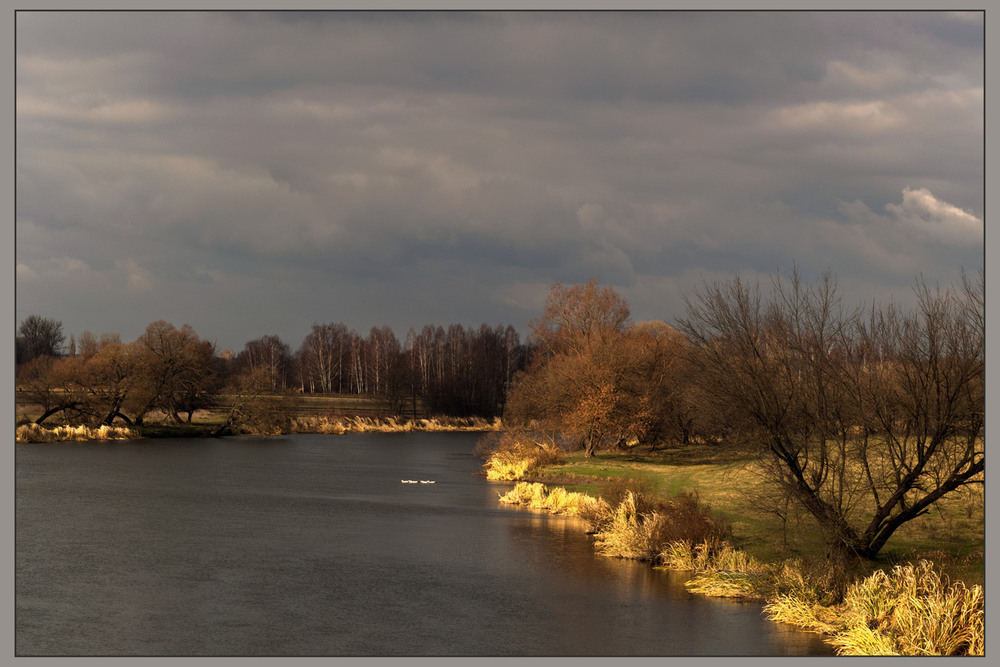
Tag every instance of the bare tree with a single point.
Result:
(578, 315)
(255, 408)
(322, 357)
(180, 371)
(864, 422)
(270, 355)
(114, 382)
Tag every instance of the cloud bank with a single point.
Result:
(253, 173)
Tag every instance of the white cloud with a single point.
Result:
(854, 117)
(119, 112)
(70, 267)
(942, 221)
(841, 72)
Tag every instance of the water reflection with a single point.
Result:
(655, 600)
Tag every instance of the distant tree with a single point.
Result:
(662, 377)
(272, 356)
(88, 344)
(255, 407)
(39, 336)
(382, 351)
(464, 372)
(322, 358)
(181, 371)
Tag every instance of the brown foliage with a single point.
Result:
(599, 379)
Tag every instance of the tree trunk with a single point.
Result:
(59, 408)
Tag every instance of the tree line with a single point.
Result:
(453, 371)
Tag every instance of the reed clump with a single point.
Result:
(512, 456)
(38, 433)
(555, 501)
(720, 570)
(641, 528)
(912, 610)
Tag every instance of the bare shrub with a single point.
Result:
(688, 519)
(641, 529)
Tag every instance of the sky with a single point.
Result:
(252, 174)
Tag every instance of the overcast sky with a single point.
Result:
(255, 173)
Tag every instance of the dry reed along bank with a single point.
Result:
(705, 509)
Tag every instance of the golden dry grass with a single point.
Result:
(911, 610)
(38, 433)
(357, 424)
(555, 501)
(631, 533)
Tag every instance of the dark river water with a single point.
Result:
(311, 545)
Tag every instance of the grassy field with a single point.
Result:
(951, 535)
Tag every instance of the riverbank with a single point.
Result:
(902, 604)
(34, 433)
(285, 414)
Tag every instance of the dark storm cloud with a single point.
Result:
(253, 173)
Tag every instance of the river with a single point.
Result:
(310, 545)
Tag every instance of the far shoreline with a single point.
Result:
(38, 433)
